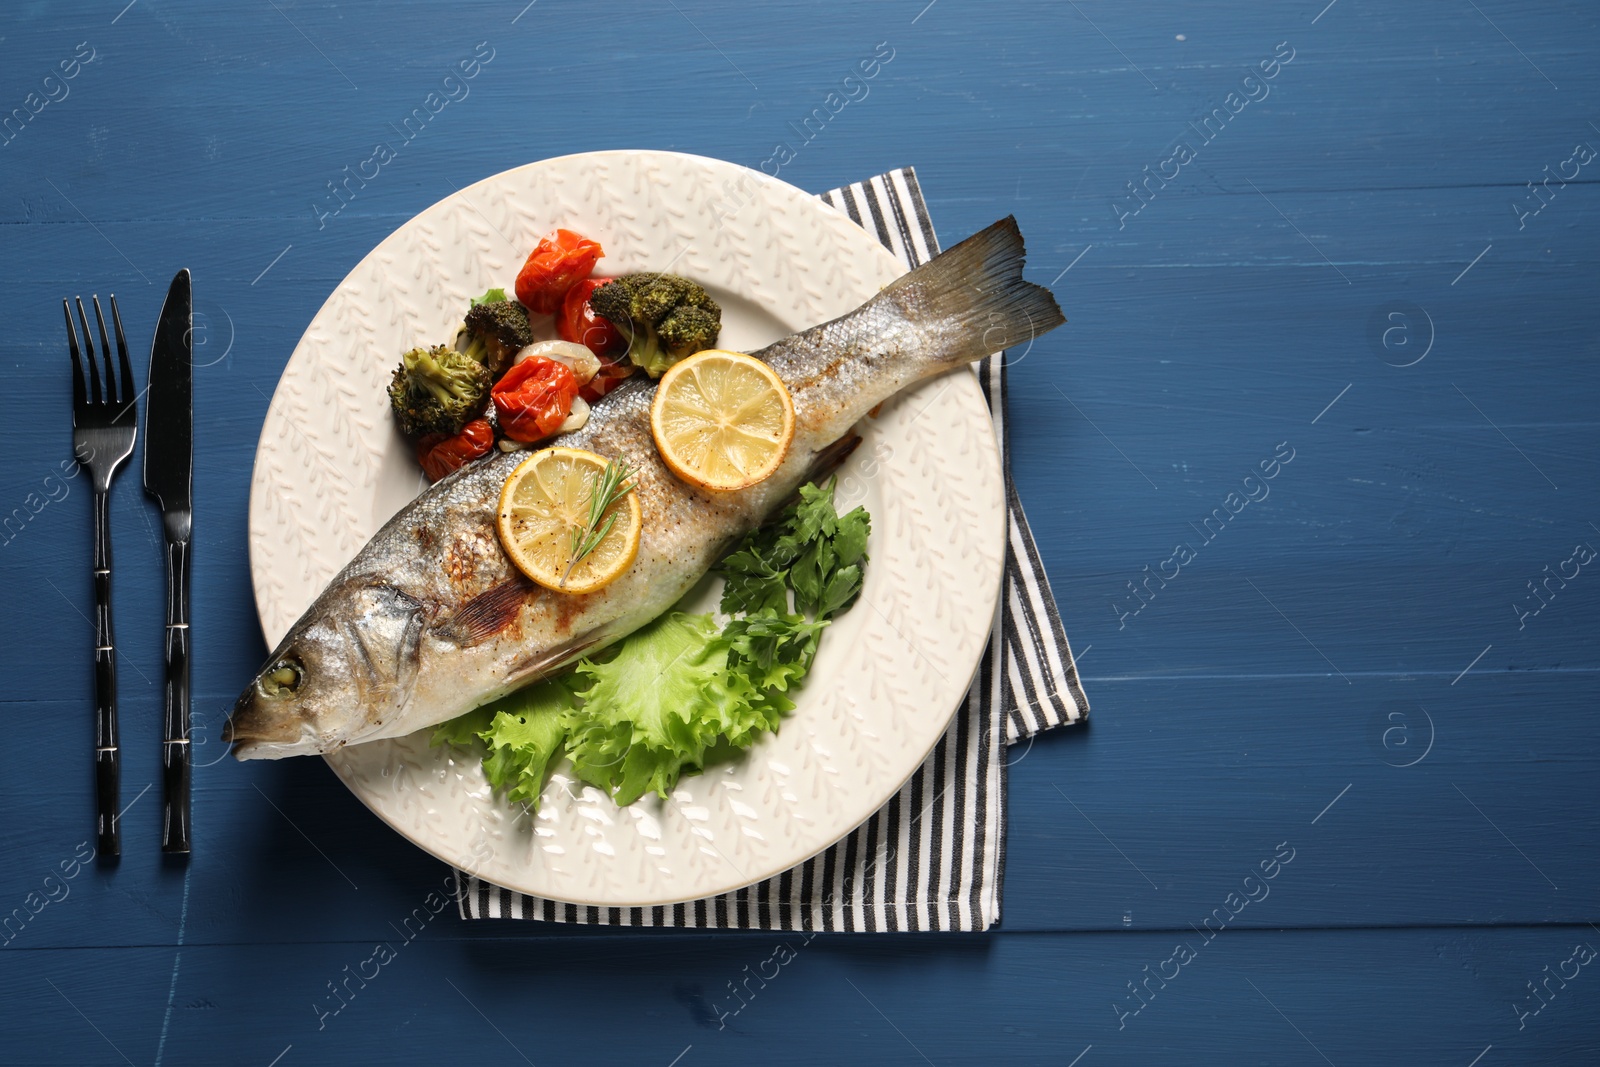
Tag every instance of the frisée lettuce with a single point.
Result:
(522, 731)
(674, 688)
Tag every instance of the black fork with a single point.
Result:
(104, 427)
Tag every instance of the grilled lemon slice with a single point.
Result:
(722, 420)
(547, 513)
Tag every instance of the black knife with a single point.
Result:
(168, 474)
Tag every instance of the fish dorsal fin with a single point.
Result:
(486, 614)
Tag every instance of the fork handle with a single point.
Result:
(107, 752)
(176, 762)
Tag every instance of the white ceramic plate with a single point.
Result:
(331, 469)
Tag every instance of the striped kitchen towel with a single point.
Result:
(932, 858)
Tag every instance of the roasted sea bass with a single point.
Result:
(431, 619)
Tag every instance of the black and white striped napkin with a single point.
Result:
(933, 857)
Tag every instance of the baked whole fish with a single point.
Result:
(431, 619)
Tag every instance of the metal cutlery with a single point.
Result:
(168, 476)
(104, 427)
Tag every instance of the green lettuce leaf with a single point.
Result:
(463, 731)
(651, 710)
(493, 296)
(523, 735)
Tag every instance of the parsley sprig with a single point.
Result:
(813, 551)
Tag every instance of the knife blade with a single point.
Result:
(168, 476)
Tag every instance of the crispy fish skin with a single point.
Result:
(431, 619)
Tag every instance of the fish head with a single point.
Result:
(348, 667)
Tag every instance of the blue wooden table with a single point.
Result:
(1338, 797)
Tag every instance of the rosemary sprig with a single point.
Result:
(611, 485)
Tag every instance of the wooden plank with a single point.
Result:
(1368, 997)
(1148, 818)
(1408, 801)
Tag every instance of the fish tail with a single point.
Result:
(976, 294)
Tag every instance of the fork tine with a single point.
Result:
(79, 392)
(88, 349)
(105, 353)
(122, 353)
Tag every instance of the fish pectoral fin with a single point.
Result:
(824, 463)
(488, 613)
(830, 458)
(541, 664)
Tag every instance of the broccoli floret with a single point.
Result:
(689, 330)
(665, 317)
(496, 331)
(438, 390)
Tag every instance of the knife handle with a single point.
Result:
(176, 763)
(107, 753)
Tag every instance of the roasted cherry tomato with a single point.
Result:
(441, 453)
(534, 398)
(614, 370)
(578, 322)
(562, 260)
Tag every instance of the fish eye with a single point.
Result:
(281, 679)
